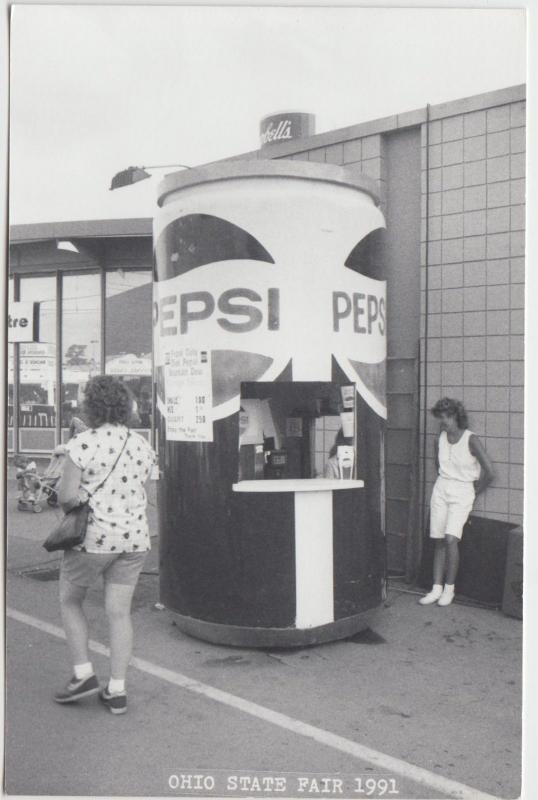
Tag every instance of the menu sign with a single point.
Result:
(189, 399)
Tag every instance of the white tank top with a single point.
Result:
(456, 460)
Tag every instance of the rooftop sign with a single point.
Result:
(285, 126)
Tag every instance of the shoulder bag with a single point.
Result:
(72, 529)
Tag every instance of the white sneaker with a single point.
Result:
(432, 596)
(447, 597)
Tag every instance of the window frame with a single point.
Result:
(58, 274)
(18, 277)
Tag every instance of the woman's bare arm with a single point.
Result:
(69, 485)
(487, 473)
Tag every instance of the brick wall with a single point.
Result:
(476, 228)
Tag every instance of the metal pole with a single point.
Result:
(153, 436)
(426, 313)
(102, 355)
(16, 373)
(59, 392)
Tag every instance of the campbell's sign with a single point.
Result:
(285, 126)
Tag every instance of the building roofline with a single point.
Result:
(407, 119)
(142, 226)
(94, 228)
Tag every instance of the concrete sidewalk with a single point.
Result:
(437, 688)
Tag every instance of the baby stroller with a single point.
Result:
(35, 489)
(51, 477)
(28, 484)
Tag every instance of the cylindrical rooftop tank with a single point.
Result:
(270, 323)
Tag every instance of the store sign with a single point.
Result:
(39, 349)
(23, 322)
(37, 363)
(37, 370)
(283, 127)
(128, 364)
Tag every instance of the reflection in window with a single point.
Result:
(81, 339)
(38, 360)
(128, 337)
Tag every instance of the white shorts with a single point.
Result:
(450, 506)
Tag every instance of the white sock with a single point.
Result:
(115, 686)
(449, 588)
(83, 670)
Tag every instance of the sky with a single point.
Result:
(95, 89)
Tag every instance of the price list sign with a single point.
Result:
(187, 378)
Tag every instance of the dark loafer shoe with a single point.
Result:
(77, 689)
(116, 703)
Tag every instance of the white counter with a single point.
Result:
(297, 485)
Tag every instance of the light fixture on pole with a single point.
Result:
(134, 174)
(66, 244)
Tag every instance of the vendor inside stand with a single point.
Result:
(299, 430)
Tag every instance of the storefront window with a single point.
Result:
(81, 340)
(128, 337)
(37, 399)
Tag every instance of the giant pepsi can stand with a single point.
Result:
(255, 280)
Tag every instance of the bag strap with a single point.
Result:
(113, 468)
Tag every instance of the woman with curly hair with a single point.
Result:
(464, 470)
(117, 537)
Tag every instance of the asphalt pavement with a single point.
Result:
(427, 704)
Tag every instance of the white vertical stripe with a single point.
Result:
(314, 558)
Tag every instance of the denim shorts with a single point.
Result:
(83, 569)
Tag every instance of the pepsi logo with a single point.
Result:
(221, 288)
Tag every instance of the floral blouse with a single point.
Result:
(118, 522)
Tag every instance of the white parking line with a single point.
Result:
(382, 761)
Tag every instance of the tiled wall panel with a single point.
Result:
(475, 286)
(473, 210)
